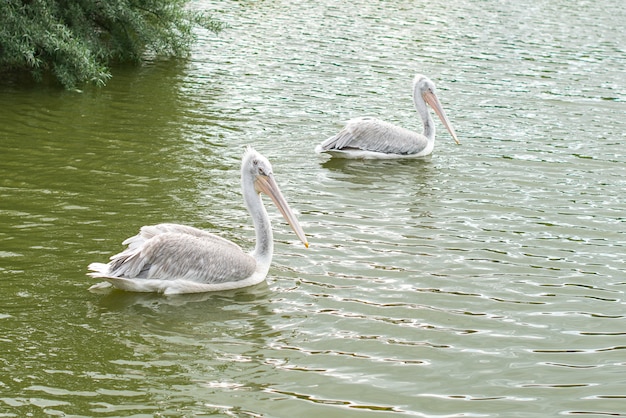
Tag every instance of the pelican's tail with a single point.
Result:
(98, 270)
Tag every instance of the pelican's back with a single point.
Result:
(178, 252)
(375, 135)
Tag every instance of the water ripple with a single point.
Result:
(485, 279)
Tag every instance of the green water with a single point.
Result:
(486, 280)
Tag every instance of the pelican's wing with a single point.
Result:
(172, 252)
(375, 135)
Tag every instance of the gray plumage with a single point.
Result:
(156, 253)
(372, 134)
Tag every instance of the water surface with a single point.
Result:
(485, 280)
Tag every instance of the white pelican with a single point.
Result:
(373, 138)
(172, 259)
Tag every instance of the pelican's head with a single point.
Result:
(254, 164)
(257, 169)
(423, 86)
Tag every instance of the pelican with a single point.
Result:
(172, 259)
(373, 138)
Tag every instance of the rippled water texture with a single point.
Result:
(486, 280)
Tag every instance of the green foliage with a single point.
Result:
(76, 40)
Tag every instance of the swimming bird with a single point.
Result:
(172, 259)
(368, 137)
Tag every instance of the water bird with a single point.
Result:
(372, 138)
(172, 259)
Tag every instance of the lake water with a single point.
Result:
(487, 280)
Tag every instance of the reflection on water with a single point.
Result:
(485, 280)
(119, 300)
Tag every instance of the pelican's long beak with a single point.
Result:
(267, 185)
(433, 101)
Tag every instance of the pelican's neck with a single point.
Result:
(264, 247)
(422, 110)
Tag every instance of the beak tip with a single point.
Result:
(306, 244)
